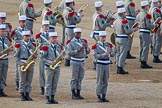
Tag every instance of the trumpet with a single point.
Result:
(57, 60)
(5, 52)
(82, 8)
(31, 60)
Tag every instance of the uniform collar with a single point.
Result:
(102, 43)
(26, 43)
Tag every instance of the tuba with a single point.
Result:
(31, 60)
(57, 60)
(5, 51)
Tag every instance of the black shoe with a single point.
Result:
(99, 99)
(28, 98)
(67, 62)
(129, 56)
(17, 85)
(42, 90)
(120, 70)
(104, 98)
(53, 101)
(48, 100)
(74, 95)
(156, 60)
(23, 98)
(78, 95)
(144, 65)
(3, 94)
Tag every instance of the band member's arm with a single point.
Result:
(71, 50)
(30, 10)
(131, 9)
(51, 18)
(97, 54)
(148, 24)
(126, 27)
(102, 22)
(44, 54)
(17, 53)
(72, 16)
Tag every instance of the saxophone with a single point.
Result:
(5, 52)
(31, 60)
(57, 60)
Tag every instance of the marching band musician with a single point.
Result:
(77, 49)
(50, 51)
(71, 18)
(145, 25)
(102, 52)
(4, 44)
(8, 25)
(131, 17)
(27, 9)
(16, 35)
(48, 15)
(42, 38)
(23, 50)
(156, 13)
(122, 30)
(99, 23)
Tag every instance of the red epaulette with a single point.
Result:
(71, 14)
(132, 4)
(94, 46)
(37, 36)
(17, 45)
(49, 13)
(68, 41)
(85, 41)
(148, 16)
(12, 33)
(44, 48)
(111, 45)
(158, 10)
(30, 5)
(124, 21)
(101, 16)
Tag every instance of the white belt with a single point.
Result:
(131, 18)
(71, 26)
(102, 61)
(29, 18)
(122, 35)
(77, 59)
(51, 26)
(23, 60)
(6, 57)
(144, 30)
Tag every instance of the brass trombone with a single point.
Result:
(82, 8)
